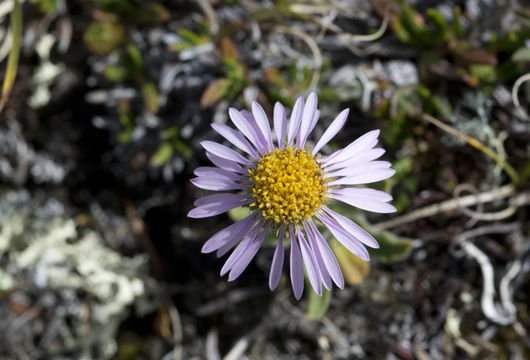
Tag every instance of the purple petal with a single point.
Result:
(245, 259)
(225, 152)
(354, 148)
(361, 158)
(365, 204)
(332, 130)
(314, 121)
(217, 184)
(263, 123)
(216, 204)
(211, 171)
(262, 142)
(324, 274)
(328, 257)
(297, 270)
(234, 232)
(358, 168)
(277, 263)
(353, 229)
(348, 241)
(295, 120)
(245, 126)
(241, 249)
(226, 164)
(280, 123)
(310, 264)
(235, 138)
(307, 119)
(366, 178)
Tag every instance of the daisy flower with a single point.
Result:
(287, 185)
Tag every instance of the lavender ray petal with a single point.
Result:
(217, 184)
(211, 171)
(215, 206)
(241, 248)
(263, 123)
(225, 152)
(328, 257)
(353, 229)
(332, 130)
(324, 274)
(246, 128)
(217, 199)
(225, 164)
(307, 119)
(310, 264)
(277, 263)
(234, 232)
(280, 123)
(366, 178)
(235, 138)
(364, 203)
(297, 270)
(354, 148)
(245, 259)
(361, 158)
(363, 193)
(313, 123)
(262, 142)
(348, 241)
(357, 168)
(295, 120)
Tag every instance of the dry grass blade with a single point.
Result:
(12, 61)
(477, 145)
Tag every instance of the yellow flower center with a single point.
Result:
(287, 186)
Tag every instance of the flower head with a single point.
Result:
(288, 186)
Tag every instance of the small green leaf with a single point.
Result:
(317, 306)
(393, 248)
(522, 55)
(239, 213)
(115, 73)
(150, 95)
(485, 73)
(125, 136)
(353, 268)
(162, 155)
(101, 37)
(136, 55)
(215, 92)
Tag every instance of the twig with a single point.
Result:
(448, 205)
(515, 89)
(504, 313)
(312, 46)
(210, 15)
(138, 227)
(477, 145)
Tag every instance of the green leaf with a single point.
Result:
(522, 55)
(393, 248)
(162, 155)
(215, 92)
(485, 73)
(136, 55)
(239, 213)
(353, 268)
(101, 37)
(115, 73)
(150, 95)
(317, 306)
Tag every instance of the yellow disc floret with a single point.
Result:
(287, 185)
